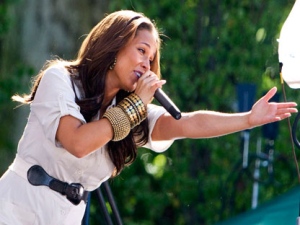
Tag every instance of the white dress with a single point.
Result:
(20, 202)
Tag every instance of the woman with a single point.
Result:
(88, 116)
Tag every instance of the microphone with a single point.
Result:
(167, 103)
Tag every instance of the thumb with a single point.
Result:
(270, 94)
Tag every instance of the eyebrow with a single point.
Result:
(145, 43)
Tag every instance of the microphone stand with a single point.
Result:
(110, 198)
(112, 203)
(296, 142)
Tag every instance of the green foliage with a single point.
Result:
(11, 78)
(208, 48)
(5, 19)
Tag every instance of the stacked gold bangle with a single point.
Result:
(129, 113)
(119, 122)
(134, 109)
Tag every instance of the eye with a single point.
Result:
(142, 50)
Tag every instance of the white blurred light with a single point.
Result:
(289, 47)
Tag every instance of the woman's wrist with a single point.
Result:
(129, 113)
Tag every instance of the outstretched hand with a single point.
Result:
(264, 112)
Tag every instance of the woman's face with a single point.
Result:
(134, 60)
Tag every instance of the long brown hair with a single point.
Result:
(97, 53)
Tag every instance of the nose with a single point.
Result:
(146, 64)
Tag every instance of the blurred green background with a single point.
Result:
(209, 47)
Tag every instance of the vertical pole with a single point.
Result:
(85, 220)
(246, 139)
(256, 175)
(103, 207)
(112, 203)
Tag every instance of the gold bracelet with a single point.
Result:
(134, 108)
(129, 113)
(119, 122)
(138, 104)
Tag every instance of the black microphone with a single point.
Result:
(167, 103)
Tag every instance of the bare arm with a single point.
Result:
(205, 124)
(199, 124)
(81, 139)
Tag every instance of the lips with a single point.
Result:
(138, 74)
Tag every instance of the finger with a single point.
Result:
(159, 83)
(148, 74)
(286, 104)
(283, 107)
(283, 112)
(270, 94)
(283, 116)
(289, 110)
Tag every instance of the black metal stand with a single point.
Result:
(294, 131)
(110, 198)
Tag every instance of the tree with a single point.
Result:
(209, 48)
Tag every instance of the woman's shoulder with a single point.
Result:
(55, 81)
(57, 71)
(57, 67)
(56, 75)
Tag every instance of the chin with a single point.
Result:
(132, 88)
